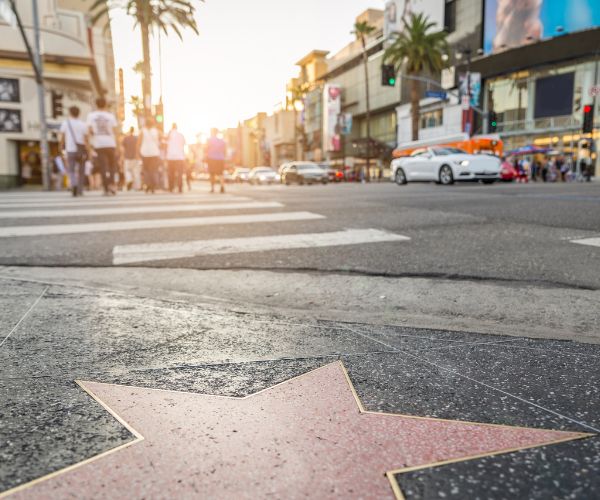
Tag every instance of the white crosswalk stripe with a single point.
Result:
(126, 254)
(179, 213)
(98, 227)
(84, 212)
(593, 242)
(96, 201)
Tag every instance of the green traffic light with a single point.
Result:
(494, 124)
(392, 81)
(159, 119)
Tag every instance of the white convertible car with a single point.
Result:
(445, 165)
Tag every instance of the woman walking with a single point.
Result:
(150, 139)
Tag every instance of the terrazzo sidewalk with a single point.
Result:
(176, 400)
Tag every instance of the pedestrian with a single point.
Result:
(149, 152)
(58, 172)
(103, 130)
(545, 169)
(131, 162)
(75, 144)
(189, 173)
(215, 156)
(175, 158)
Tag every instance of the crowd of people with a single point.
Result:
(556, 168)
(95, 156)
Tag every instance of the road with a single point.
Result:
(520, 233)
(466, 303)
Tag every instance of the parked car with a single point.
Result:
(263, 175)
(333, 174)
(303, 173)
(241, 174)
(445, 166)
(508, 173)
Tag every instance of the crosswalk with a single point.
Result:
(136, 220)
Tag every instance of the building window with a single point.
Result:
(431, 119)
(450, 16)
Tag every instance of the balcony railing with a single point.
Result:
(540, 124)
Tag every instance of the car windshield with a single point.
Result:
(263, 170)
(448, 151)
(307, 166)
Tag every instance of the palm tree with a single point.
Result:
(419, 50)
(362, 30)
(165, 15)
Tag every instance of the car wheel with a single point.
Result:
(301, 181)
(324, 181)
(488, 181)
(400, 177)
(287, 181)
(446, 176)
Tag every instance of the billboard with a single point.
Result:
(397, 10)
(510, 24)
(332, 106)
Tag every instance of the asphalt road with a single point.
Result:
(519, 233)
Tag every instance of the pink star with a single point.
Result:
(307, 437)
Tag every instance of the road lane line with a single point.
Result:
(128, 225)
(594, 242)
(77, 212)
(126, 254)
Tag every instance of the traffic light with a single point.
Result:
(588, 119)
(492, 121)
(57, 104)
(388, 75)
(159, 116)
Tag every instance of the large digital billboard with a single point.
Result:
(511, 23)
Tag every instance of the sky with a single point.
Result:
(242, 59)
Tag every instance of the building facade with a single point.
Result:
(78, 66)
(346, 70)
(538, 69)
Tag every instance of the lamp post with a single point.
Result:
(468, 122)
(36, 61)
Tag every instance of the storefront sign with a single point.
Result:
(10, 120)
(9, 90)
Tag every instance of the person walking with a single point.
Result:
(74, 142)
(175, 158)
(215, 157)
(131, 162)
(149, 151)
(102, 126)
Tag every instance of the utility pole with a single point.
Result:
(38, 70)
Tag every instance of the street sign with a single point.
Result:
(437, 94)
(464, 100)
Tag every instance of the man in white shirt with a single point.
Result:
(176, 158)
(74, 142)
(103, 129)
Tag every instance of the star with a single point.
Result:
(306, 437)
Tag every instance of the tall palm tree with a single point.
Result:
(362, 30)
(165, 15)
(418, 49)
